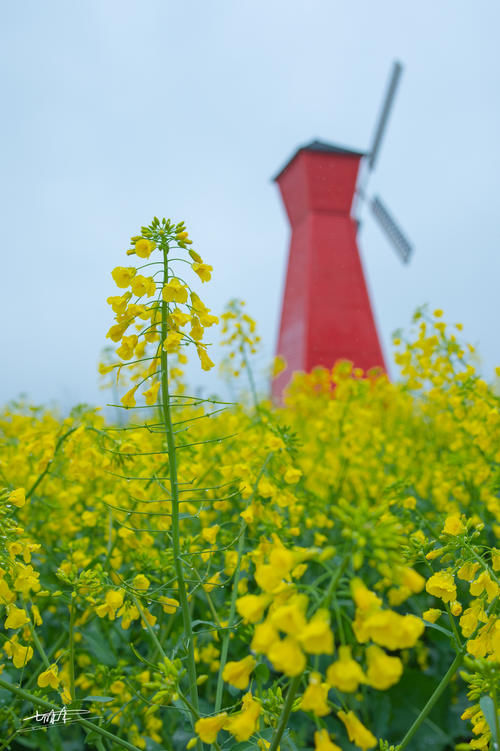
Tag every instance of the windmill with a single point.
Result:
(394, 233)
(326, 312)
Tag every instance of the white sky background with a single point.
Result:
(116, 110)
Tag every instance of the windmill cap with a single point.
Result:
(320, 146)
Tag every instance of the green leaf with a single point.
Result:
(261, 673)
(26, 743)
(92, 737)
(41, 742)
(99, 698)
(54, 742)
(406, 701)
(197, 621)
(151, 745)
(288, 741)
(488, 709)
(103, 653)
(437, 627)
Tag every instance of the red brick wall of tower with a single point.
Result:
(326, 312)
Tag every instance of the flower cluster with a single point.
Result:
(277, 577)
(240, 336)
(158, 308)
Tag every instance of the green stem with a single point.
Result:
(230, 621)
(250, 378)
(37, 641)
(192, 709)
(174, 490)
(162, 635)
(285, 712)
(6, 743)
(46, 657)
(56, 449)
(497, 721)
(188, 704)
(334, 581)
(340, 625)
(432, 701)
(36, 701)
(234, 593)
(454, 627)
(211, 605)
(110, 534)
(149, 628)
(72, 648)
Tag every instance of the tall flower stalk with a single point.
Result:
(148, 357)
(174, 489)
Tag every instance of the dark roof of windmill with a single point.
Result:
(321, 146)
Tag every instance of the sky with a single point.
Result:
(117, 110)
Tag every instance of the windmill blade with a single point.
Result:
(391, 229)
(397, 69)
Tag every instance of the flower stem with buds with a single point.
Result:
(172, 460)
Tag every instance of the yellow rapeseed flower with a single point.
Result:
(292, 475)
(49, 677)
(172, 341)
(20, 653)
(143, 285)
(203, 270)
(144, 247)
(174, 291)
(383, 671)
(16, 617)
(345, 673)
(123, 275)
(17, 497)
(207, 728)
(252, 607)
(315, 698)
(289, 618)
(128, 399)
(264, 637)
(112, 601)
(141, 583)
(431, 615)
(169, 604)
(322, 741)
(206, 362)
(453, 525)
(316, 636)
(237, 674)
(467, 572)
(279, 365)
(357, 732)
(244, 724)
(151, 394)
(484, 583)
(287, 657)
(442, 585)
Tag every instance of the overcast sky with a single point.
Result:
(116, 110)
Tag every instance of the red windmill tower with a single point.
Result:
(326, 312)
